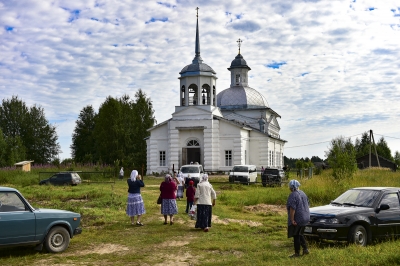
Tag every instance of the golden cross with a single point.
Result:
(239, 43)
(197, 9)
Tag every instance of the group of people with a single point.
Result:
(204, 197)
(171, 188)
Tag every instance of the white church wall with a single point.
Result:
(158, 142)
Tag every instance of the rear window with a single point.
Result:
(243, 169)
(190, 169)
(271, 171)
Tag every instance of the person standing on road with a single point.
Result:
(135, 206)
(205, 199)
(298, 216)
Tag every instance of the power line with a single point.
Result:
(386, 136)
(318, 142)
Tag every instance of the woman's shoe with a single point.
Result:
(205, 229)
(165, 222)
(139, 224)
(171, 222)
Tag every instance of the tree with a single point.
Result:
(29, 130)
(82, 146)
(144, 116)
(341, 157)
(397, 158)
(383, 149)
(3, 148)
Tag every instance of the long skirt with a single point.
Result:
(169, 207)
(204, 215)
(179, 194)
(135, 205)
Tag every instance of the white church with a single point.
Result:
(233, 127)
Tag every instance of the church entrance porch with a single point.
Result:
(191, 155)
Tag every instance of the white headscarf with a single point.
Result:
(204, 178)
(134, 175)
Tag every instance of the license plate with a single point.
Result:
(308, 229)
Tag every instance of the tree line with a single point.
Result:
(116, 133)
(343, 151)
(25, 133)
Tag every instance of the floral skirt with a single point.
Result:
(169, 207)
(204, 215)
(135, 205)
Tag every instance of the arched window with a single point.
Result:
(193, 94)
(192, 143)
(183, 96)
(213, 95)
(205, 94)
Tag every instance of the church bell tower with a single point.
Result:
(198, 80)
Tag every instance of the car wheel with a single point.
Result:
(358, 235)
(264, 184)
(57, 240)
(47, 183)
(65, 184)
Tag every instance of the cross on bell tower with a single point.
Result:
(239, 43)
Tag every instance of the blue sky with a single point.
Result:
(329, 68)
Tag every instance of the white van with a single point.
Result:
(194, 170)
(243, 174)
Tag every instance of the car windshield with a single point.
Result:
(357, 197)
(190, 169)
(243, 169)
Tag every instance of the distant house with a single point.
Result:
(24, 165)
(363, 162)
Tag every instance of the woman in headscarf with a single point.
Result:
(298, 216)
(204, 197)
(135, 206)
(180, 182)
(168, 195)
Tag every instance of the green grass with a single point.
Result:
(239, 236)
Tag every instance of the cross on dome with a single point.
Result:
(239, 43)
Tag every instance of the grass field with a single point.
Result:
(249, 225)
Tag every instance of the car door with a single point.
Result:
(17, 221)
(388, 221)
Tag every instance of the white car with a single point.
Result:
(243, 174)
(194, 170)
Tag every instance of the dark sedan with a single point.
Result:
(358, 216)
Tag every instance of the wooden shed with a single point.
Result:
(363, 162)
(24, 165)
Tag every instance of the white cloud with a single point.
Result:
(340, 76)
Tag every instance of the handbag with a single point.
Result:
(159, 200)
(193, 212)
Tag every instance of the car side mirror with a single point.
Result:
(383, 207)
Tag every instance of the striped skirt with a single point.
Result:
(169, 207)
(135, 205)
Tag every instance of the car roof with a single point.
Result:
(191, 165)
(377, 188)
(8, 189)
(243, 165)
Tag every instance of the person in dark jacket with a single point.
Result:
(298, 216)
(190, 191)
(135, 205)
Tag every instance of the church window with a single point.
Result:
(162, 158)
(192, 142)
(183, 95)
(237, 78)
(193, 94)
(228, 158)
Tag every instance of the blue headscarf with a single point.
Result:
(294, 184)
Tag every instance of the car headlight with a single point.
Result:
(328, 221)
